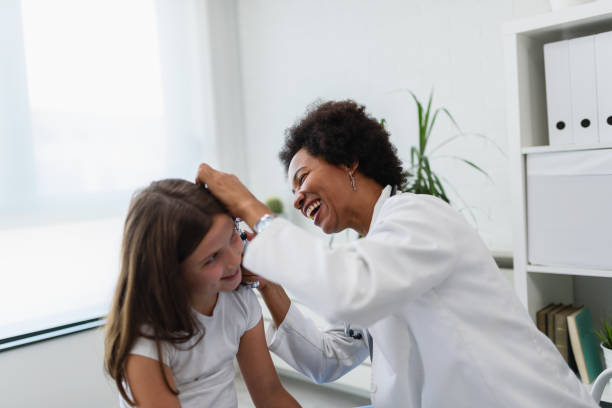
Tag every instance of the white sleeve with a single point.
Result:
(323, 356)
(408, 251)
(253, 307)
(147, 348)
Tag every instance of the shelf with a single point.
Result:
(569, 21)
(565, 148)
(565, 270)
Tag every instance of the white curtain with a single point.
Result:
(97, 99)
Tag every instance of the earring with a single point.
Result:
(352, 180)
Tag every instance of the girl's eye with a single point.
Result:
(301, 178)
(211, 259)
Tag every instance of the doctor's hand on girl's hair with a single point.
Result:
(232, 193)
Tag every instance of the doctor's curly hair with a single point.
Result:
(341, 132)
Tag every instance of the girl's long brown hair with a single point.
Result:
(165, 223)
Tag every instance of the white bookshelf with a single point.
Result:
(564, 148)
(538, 285)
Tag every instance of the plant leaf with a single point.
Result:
(433, 121)
(422, 129)
(452, 119)
(419, 108)
(441, 188)
(426, 121)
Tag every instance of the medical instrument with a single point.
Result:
(245, 242)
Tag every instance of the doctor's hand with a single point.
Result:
(233, 194)
(247, 275)
(250, 277)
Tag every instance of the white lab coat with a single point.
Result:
(447, 328)
(323, 356)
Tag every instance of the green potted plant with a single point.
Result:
(422, 179)
(605, 335)
(420, 176)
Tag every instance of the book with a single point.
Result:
(550, 321)
(562, 336)
(584, 345)
(541, 316)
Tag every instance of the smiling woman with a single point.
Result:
(420, 286)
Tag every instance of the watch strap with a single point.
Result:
(263, 222)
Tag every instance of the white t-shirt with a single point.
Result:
(204, 374)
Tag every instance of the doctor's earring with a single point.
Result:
(352, 180)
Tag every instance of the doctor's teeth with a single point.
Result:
(311, 209)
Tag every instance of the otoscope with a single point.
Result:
(245, 243)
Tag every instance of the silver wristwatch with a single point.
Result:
(263, 222)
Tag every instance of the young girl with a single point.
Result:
(177, 320)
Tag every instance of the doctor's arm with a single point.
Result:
(409, 251)
(323, 356)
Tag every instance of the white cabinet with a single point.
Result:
(540, 279)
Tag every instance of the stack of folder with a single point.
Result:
(579, 90)
(571, 330)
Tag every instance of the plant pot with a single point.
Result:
(607, 355)
(607, 359)
(559, 4)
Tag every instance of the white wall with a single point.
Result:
(61, 373)
(293, 52)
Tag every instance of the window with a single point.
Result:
(97, 98)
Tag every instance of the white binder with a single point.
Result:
(584, 90)
(558, 93)
(603, 58)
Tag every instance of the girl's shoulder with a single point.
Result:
(145, 345)
(244, 302)
(243, 298)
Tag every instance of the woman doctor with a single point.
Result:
(443, 326)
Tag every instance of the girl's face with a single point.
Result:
(214, 265)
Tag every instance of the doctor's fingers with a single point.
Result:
(249, 277)
(226, 187)
(250, 235)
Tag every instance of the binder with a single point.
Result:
(584, 90)
(603, 59)
(558, 93)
